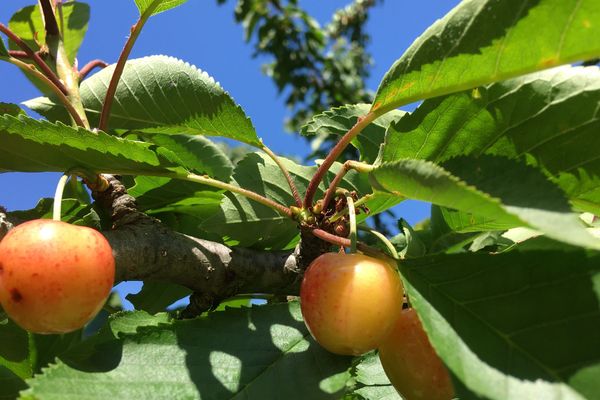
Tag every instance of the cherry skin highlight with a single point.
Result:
(350, 301)
(54, 276)
(411, 364)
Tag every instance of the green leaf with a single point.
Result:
(550, 116)
(10, 384)
(339, 120)
(163, 5)
(373, 383)
(157, 296)
(160, 94)
(462, 222)
(181, 205)
(10, 109)
(249, 224)
(72, 211)
(484, 41)
(76, 189)
(28, 24)
(238, 353)
(157, 194)
(502, 322)
(414, 246)
(14, 352)
(507, 191)
(128, 323)
(198, 154)
(76, 16)
(370, 372)
(3, 50)
(29, 145)
(378, 393)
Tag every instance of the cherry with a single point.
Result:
(411, 364)
(350, 301)
(54, 276)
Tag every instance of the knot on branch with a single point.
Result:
(121, 206)
(200, 303)
(6, 223)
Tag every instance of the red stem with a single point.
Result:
(20, 54)
(87, 68)
(344, 242)
(333, 155)
(46, 70)
(120, 66)
(334, 184)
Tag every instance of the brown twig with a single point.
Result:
(333, 155)
(87, 68)
(20, 54)
(50, 23)
(136, 29)
(345, 242)
(348, 165)
(60, 95)
(45, 69)
(286, 173)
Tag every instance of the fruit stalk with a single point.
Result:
(58, 194)
(333, 155)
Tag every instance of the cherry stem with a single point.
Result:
(357, 203)
(383, 239)
(286, 173)
(345, 242)
(348, 165)
(333, 155)
(87, 68)
(59, 94)
(60, 188)
(46, 70)
(236, 189)
(18, 54)
(352, 214)
(136, 29)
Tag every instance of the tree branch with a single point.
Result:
(145, 249)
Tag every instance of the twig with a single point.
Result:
(59, 94)
(333, 155)
(136, 29)
(87, 68)
(35, 58)
(345, 242)
(344, 211)
(348, 165)
(236, 189)
(286, 173)
(50, 23)
(20, 54)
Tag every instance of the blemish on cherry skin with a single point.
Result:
(1, 269)
(15, 295)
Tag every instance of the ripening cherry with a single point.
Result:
(411, 364)
(54, 276)
(350, 301)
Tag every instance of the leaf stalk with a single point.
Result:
(361, 123)
(286, 173)
(136, 29)
(236, 189)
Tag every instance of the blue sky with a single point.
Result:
(204, 34)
